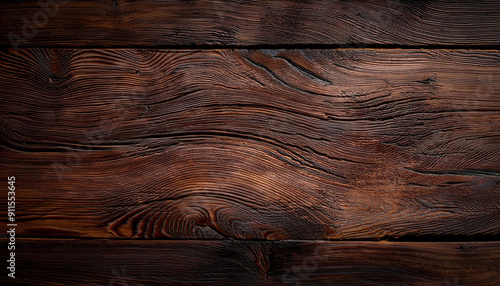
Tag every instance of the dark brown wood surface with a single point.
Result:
(152, 23)
(253, 144)
(197, 262)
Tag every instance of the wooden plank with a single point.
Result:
(386, 263)
(153, 23)
(260, 144)
(123, 262)
(126, 262)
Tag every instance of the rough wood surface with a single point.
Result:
(195, 262)
(152, 23)
(283, 144)
(386, 263)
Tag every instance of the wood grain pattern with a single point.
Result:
(386, 263)
(252, 144)
(126, 262)
(153, 23)
(236, 142)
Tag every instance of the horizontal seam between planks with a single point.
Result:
(360, 46)
(438, 239)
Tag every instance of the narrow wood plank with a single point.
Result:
(386, 263)
(125, 262)
(153, 23)
(283, 144)
(122, 262)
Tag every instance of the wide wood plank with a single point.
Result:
(252, 144)
(153, 23)
(125, 262)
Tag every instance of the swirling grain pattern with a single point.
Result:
(252, 144)
(153, 23)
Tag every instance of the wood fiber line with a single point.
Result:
(126, 262)
(125, 23)
(260, 144)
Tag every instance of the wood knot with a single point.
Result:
(427, 81)
(465, 248)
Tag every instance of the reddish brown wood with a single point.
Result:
(195, 262)
(153, 23)
(183, 164)
(282, 144)
(386, 263)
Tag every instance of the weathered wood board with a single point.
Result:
(198, 262)
(253, 144)
(153, 23)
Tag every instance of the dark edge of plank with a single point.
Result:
(203, 47)
(123, 23)
(111, 262)
(409, 238)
